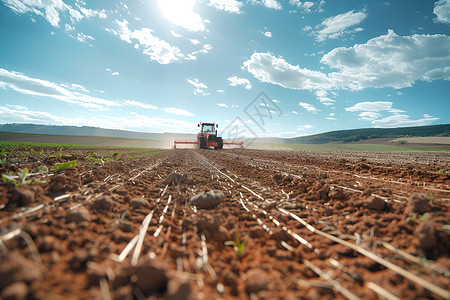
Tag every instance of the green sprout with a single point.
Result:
(424, 217)
(430, 199)
(57, 155)
(411, 218)
(93, 157)
(22, 176)
(41, 169)
(117, 155)
(238, 245)
(62, 166)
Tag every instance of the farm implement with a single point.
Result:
(208, 138)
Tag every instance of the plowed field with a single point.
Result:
(328, 225)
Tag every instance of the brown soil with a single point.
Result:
(256, 242)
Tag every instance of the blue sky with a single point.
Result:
(164, 66)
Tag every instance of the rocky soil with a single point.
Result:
(230, 224)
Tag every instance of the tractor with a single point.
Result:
(207, 138)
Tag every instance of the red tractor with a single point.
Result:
(207, 138)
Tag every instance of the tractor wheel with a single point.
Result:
(202, 143)
(219, 143)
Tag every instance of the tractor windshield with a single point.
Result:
(207, 128)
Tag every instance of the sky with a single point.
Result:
(261, 68)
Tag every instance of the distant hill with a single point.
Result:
(355, 135)
(340, 136)
(92, 131)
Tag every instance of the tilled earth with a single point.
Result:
(292, 225)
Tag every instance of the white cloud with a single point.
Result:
(386, 61)
(194, 41)
(47, 9)
(220, 91)
(81, 37)
(180, 12)
(74, 86)
(403, 121)
(199, 86)
(222, 105)
(371, 111)
(140, 104)
(331, 116)
(174, 34)
(275, 101)
(68, 27)
(268, 68)
(268, 34)
(321, 95)
(51, 9)
(157, 49)
(177, 111)
(38, 87)
(294, 112)
(307, 28)
(369, 115)
(308, 107)
(268, 3)
(90, 13)
(370, 106)
(231, 6)
(337, 26)
(306, 6)
(442, 11)
(193, 56)
(235, 81)
(304, 127)
(392, 60)
(127, 121)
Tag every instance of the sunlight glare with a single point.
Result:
(180, 13)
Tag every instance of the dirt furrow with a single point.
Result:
(127, 228)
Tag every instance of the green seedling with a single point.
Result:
(2, 161)
(424, 217)
(411, 218)
(238, 245)
(100, 160)
(117, 155)
(430, 199)
(9, 179)
(22, 174)
(97, 160)
(59, 155)
(446, 227)
(41, 169)
(62, 166)
(42, 151)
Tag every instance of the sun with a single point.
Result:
(180, 12)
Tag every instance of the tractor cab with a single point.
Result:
(208, 129)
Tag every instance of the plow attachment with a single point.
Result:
(194, 144)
